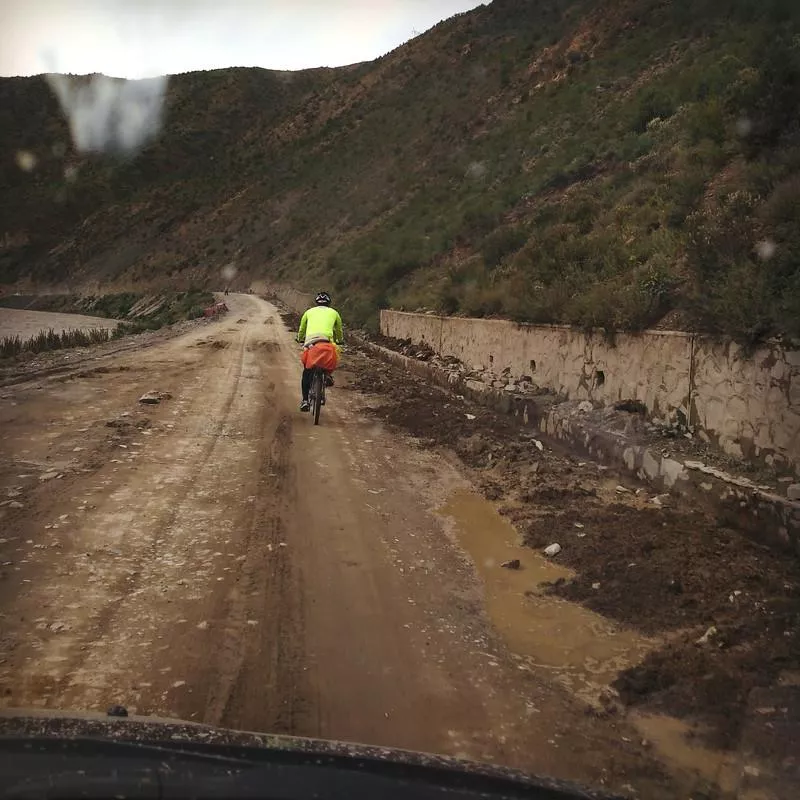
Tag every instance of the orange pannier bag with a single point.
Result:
(322, 354)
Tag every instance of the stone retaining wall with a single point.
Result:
(293, 299)
(763, 514)
(748, 403)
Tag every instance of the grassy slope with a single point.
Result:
(600, 163)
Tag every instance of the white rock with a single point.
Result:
(539, 445)
(706, 637)
(595, 586)
(585, 407)
(793, 491)
(622, 490)
(553, 549)
(470, 416)
(751, 771)
(151, 398)
(672, 471)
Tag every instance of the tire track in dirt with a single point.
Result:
(263, 690)
(141, 562)
(193, 491)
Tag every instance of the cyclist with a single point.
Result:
(320, 332)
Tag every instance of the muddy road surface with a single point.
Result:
(215, 557)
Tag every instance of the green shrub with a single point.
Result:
(651, 103)
(45, 341)
(10, 346)
(708, 120)
(501, 243)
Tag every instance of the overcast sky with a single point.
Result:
(143, 38)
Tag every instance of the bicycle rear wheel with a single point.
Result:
(317, 389)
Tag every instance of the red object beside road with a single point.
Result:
(217, 308)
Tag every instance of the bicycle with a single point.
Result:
(316, 395)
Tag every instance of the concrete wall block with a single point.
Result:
(748, 402)
(745, 398)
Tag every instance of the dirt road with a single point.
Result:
(217, 558)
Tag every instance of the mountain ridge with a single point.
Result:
(586, 162)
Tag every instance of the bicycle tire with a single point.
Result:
(317, 389)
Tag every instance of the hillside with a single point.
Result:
(597, 162)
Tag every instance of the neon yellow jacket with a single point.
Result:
(320, 322)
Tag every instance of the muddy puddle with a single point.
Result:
(676, 743)
(584, 650)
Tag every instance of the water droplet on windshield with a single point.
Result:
(26, 160)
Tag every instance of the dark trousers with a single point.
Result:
(305, 385)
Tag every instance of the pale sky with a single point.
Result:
(144, 38)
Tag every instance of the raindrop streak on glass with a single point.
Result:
(110, 114)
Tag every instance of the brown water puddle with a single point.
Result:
(584, 650)
(675, 743)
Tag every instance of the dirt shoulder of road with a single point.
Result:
(30, 366)
(726, 608)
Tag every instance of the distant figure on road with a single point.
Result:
(320, 334)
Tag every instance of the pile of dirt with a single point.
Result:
(290, 319)
(405, 346)
(669, 570)
(710, 678)
(429, 413)
(729, 606)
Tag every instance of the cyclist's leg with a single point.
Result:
(329, 373)
(305, 384)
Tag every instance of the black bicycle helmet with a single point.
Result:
(323, 299)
